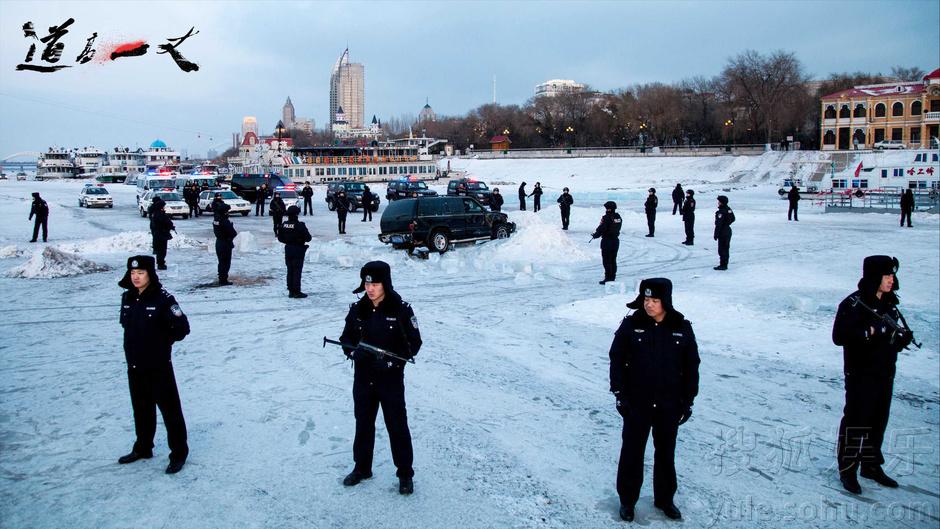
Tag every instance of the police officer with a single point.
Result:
(152, 321)
(724, 218)
(367, 200)
(307, 193)
(677, 198)
(496, 200)
(793, 197)
(907, 207)
(609, 232)
(39, 209)
(688, 217)
(565, 200)
(341, 204)
(870, 352)
(654, 376)
(224, 237)
(650, 207)
(261, 197)
(160, 228)
(277, 210)
(537, 200)
(295, 237)
(383, 320)
(522, 196)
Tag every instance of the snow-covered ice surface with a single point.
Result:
(508, 404)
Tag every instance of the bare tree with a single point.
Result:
(907, 74)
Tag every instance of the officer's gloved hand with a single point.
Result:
(685, 415)
(903, 339)
(622, 406)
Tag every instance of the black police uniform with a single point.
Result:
(152, 322)
(496, 202)
(40, 210)
(160, 228)
(307, 193)
(224, 240)
(522, 196)
(688, 219)
(652, 202)
(293, 233)
(381, 382)
(367, 200)
(341, 205)
(536, 198)
(870, 360)
(677, 195)
(609, 232)
(564, 204)
(907, 207)
(724, 217)
(793, 197)
(261, 199)
(654, 376)
(278, 208)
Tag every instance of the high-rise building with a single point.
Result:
(347, 90)
(554, 87)
(287, 115)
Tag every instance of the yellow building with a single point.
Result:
(862, 116)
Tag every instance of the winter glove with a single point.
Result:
(685, 415)
(622, 406)
(903, 339)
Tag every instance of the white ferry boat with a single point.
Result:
(121, 164)
(88, 160)
(55, 163)
(374, 163)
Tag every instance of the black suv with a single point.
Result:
(245, 185)
(408, 189)
(470, 188)
(436, 222)
(354, 192)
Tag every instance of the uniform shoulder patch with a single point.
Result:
(176, 310)
(414, 321)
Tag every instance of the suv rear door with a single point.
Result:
(475, 219)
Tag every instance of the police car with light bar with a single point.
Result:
(175, 207)
(95, 196)
(235, 202)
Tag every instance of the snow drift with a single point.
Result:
(52, 262)
(127, 242)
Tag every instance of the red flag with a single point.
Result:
(858, 169)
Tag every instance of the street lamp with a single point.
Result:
(506, 131)
(730, 123)
(570, 130)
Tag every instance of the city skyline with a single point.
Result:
(447, 53)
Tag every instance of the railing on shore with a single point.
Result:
(604, 152)
(884, 199)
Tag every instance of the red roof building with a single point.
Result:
(500, 142)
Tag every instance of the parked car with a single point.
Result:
(437, 222)
(238, 204)
(408, 188)
(95, 196)
(289, 196)
(245, 185)
(889, 144)
(470, 188)
(175, 207)
(354, 192)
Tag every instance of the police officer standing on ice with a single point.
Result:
(367, 200)
(293, 233)
(381, 319)
(160, 228)
(793, 197)
(537, 197)
(277, 210)
(609, 232)
(650, 207)
(40, 210)
(872, 332)
(224, 238)
(522, 196)
(152, 322)
(496, 200)
(724, 217)
(677, 198)
(654, 376)
(341, 205)
(565, 200)
(688, 217)
(307, 193)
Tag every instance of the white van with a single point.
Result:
(148, 182)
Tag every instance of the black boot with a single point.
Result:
(297, 295)
(720, 267)
(406, 486)
(850, 483)
(174, 467)
(877, 474)
(354, 477)
(670, 510)
(626, 513)
(133, 456)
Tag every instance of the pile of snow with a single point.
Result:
(52, 262)
(127, 242)
(10, 251)
(245, 242)
(535, 241)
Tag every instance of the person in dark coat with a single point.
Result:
(367, 201)
(793, 197)
(40, 210)
(652, 202)
(522, 196)
(189, 196)
(537, 200)
(870, 352)
(654, 377)
(261, 198)
(688, 217)
(341, 205)
(907, 207)
(609, 232)
(293, 233)
(160, 228)
(724, 218)
(152, 322)
(277, 210)
(381, 319)
(224, 237)
(565, 200)
(307, 193)
(496, 200)
(677, 198)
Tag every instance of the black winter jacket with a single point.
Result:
(565, 201)
(609, 228)
(161, 226)
(224, 231)
(688, 209)
(39, 208)
(793, 195)
(152, 321)
(391, 326)
(865, 353)
(677, 195)
(651, 203)
(294, 235)
(724, 217)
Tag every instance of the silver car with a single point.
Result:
(95, 196)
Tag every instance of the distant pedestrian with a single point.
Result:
(261, 197)
(40, 210)
(793, 197)
(224, 239)
(293, 233)
(496, 200)
(522, 197)
(564, 204)
(307, 193)
(609, 232)
(724, 218)
(367, 200)
(341, 205)
(277, 209)
(907, 207)
(650, 207)
(688, 217)
(677, 195)
(160, 228)
(537, 197)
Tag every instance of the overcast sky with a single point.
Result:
(252, 55)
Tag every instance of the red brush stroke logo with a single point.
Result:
(129, 49)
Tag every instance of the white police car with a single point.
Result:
(95, 196)
(238, 204)
(175, 207)
(289, 195)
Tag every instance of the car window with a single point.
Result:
(355, 187)
(401, 209)
(96, 191)
(451, 186)
(479, 186)
(288, 194)
(471, 206)
(169, 196)
(229, 195)
(453, 206)
(426, 207)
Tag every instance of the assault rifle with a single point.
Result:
(898, 330)
(377, 352)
